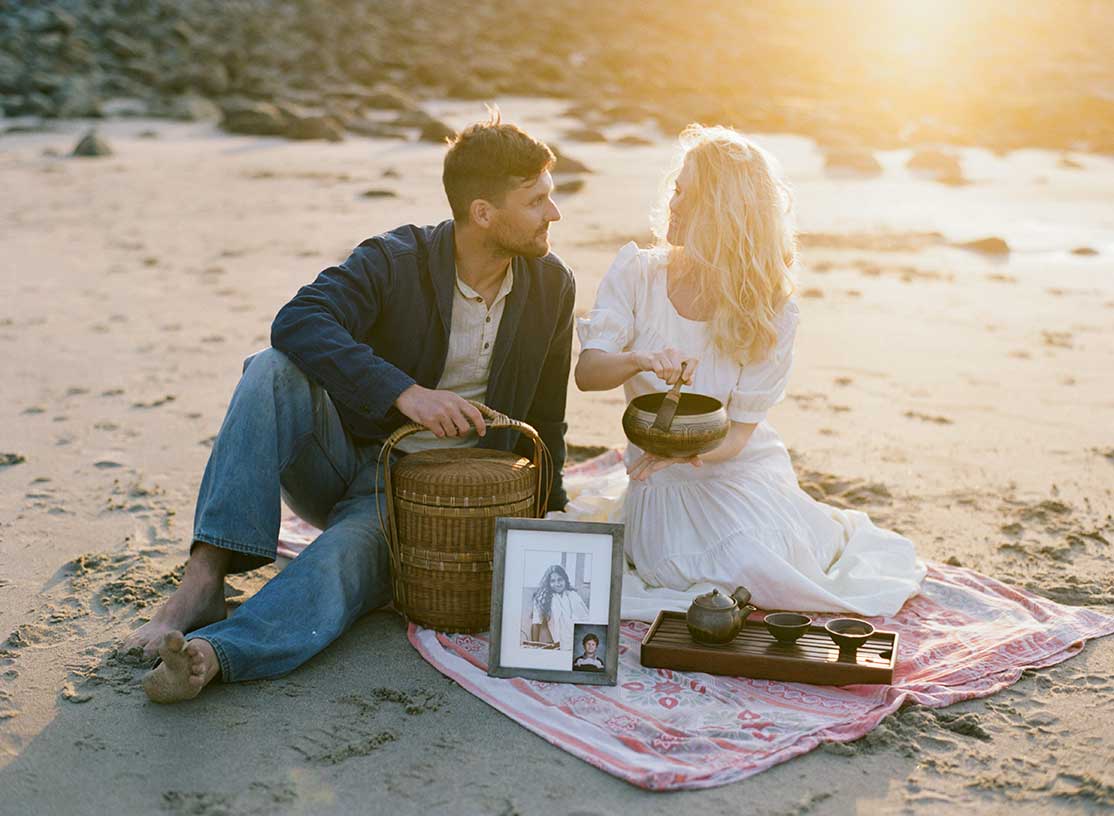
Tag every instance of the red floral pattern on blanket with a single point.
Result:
(965, 636)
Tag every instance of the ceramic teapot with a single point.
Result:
(716, 618)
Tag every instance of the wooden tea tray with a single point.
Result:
(814, 658)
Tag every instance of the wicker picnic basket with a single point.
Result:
(440, 522)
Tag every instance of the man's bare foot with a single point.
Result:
(198, 601)
(186, 668)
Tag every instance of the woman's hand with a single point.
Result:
(666, 364)
(648, 464)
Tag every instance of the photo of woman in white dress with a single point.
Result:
(716, 294)
(555, 608)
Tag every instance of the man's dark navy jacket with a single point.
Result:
(368, 329)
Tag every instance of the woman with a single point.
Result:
(557, 606)
(715, 296)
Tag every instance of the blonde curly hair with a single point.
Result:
(738, 240)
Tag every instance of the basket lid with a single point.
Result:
(464, 472)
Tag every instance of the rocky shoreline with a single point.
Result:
(1006, 77)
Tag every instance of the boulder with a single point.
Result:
(125, 46)
(189, 108)
(436, 131)
(567, 164)
(992, 245)
(314, 126)
(92, 145)
(123, 106)
(77, 98)
(853, 160)
(586, 134)
(375, 129)
(252, 118)
(939, 165)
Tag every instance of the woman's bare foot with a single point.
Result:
(186, 668)
(198, 601)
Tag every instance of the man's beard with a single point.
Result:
(534, 246)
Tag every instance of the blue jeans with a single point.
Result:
(282, 436)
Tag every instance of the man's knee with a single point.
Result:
(272, 364)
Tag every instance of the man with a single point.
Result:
(588, 660)
(416, 322)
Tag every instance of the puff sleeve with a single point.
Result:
(610, 324)
(762, 385)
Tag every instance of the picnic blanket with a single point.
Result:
(965, 636)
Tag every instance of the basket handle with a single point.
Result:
(543, 465)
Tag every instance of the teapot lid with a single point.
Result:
(715, 600)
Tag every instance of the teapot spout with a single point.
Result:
(746, 608)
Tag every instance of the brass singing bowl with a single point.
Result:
(699, 426)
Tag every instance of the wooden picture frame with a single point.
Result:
(556, 588)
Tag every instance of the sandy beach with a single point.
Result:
(960, 396)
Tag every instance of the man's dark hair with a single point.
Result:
(587, 637)
(487, 160)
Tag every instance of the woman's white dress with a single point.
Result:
(566, 609)
(740, 522)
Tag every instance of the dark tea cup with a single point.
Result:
(786, 627)
(849, 633)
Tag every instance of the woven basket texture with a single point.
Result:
(446, 503)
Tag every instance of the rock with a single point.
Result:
(567, 164)
(190, 108)
(92, 145)
(1085, 251)
(586, 134)
(412, 118)
(57, 22)
(252, 118)
(856, 160)
(378, 193)
(436, 131)
(210, 78)
(9, 459)
(313, 126)
(991, 246)
(633, 140)
(569, 187)
(125, 46)
(938, 165)
(11, 73)
(1068, 163)
(76, 98)
(124, 106)
(375, 129)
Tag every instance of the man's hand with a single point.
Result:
(649, 464)
(442, 412)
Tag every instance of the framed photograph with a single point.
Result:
(555, 600)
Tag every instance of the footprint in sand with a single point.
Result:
(938, 420)
(1057, 339)
(841, 492)
(343, 741)
(154, 403)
